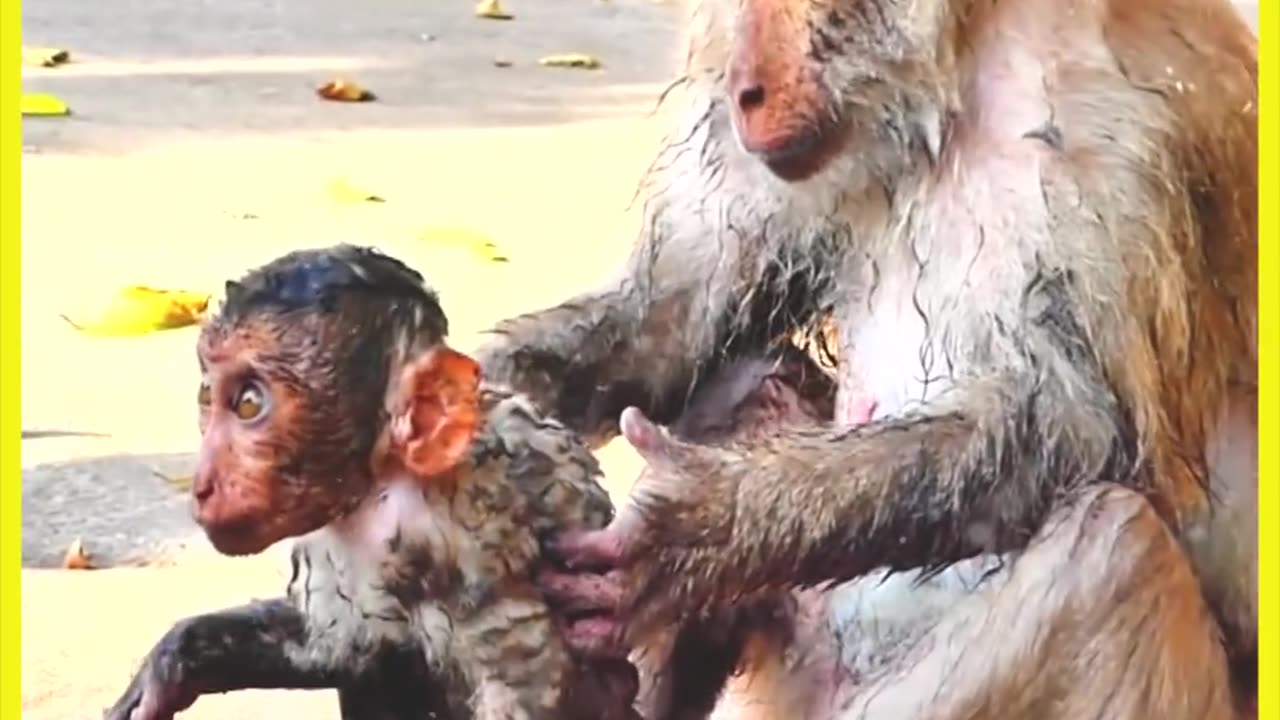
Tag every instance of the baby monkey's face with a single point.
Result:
(293, 437)
(279, 451)
(296, 372)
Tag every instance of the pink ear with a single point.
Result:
(644, 436)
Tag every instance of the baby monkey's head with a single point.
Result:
(322, 370)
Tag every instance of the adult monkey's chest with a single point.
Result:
(907, 330)
(916, 314)
(933, 299)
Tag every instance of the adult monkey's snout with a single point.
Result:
(782, 111)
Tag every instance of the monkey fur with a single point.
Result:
(412, 590)
(746, 401)
(1033, 226)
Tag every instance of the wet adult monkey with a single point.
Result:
(331, 407)
(1033, 223)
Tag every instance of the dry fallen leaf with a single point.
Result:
(469, 240)
(181, 483)
(344, 91)
(43, 104)
(45, 56)
(76, 558)
(342, 191)
(139, 310)
(571, 60)
(492, 10)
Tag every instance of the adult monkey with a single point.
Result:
(1033, 223)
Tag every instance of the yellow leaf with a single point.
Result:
(468, 240)
(181, 483)
(342, 191)
(43, 104)
(139, 310)
(571, 60)
(45, 57)
(344, 91)
(492, 10)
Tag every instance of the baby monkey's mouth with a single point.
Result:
(239, 530)
(237, 538)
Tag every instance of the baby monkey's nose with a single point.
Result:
(203, 482)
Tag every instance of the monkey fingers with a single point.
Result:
(157, 692)
(259, 645)
(578, 593)
(597, 636)
(596, 550)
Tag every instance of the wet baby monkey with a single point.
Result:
(332, 410)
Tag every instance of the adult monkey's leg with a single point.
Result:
(1101, 617)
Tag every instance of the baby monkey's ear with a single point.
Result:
(437, 411)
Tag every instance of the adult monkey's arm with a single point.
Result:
(976, 470)
(703, 281)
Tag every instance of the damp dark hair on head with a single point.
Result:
(317, 279)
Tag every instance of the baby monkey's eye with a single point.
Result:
(205, 395)
(250, 402)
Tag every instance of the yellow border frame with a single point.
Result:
(10, 387)
(1268, 359)
(10, 358)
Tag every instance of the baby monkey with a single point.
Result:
(331, 408)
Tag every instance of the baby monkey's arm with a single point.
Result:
(259, 645)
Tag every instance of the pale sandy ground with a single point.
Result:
(190, 117)
(197, 150)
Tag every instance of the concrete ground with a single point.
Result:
(197, 149)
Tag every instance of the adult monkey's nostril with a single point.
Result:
(751, 97)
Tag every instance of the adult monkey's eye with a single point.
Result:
(205, 395)
(250, 402)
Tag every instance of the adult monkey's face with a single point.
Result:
(806, 79)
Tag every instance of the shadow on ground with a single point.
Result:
(139, 507)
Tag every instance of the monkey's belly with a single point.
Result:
(845, 637)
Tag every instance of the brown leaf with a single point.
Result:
(344, 91)
(45, 56)
(76, 558)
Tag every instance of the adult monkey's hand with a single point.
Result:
(655, 562)
(664, 556)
